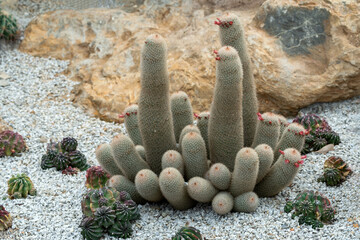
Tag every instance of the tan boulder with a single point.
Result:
(104, 45)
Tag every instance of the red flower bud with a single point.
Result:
(296, 164)
(121, 115)
(128, 114)
(216, 52)
(303, 157)
(287, 161)
(217, 58)
(281, 152)
(231, 22)
(300, 161)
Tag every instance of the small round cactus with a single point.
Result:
(61, 161)
(69, 144)
(70, 171)
(11, 143)
(8, 26)
(187, 233)
(121, 230)
(90, 229)
(77, 159)
(5, 219)
(335, 171)
(96, 177)
(20, 186)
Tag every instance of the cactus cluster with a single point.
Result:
(20, 186)
(5, 219)
(8, 26)
(11, 143)
(320, 131)
(96, 177)
(62, 155)
(107, 211)
(188, 233)
(312, 208)
(234, 154)
(336, 171)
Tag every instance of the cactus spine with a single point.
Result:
(203, 125)
(281, 173)
(121, 183)
(267, 130)
(194, 155)
(266, 158)
(232, 34)
(225, 124)
(126, 156)
(132, 124)
(172, 158)
(155, 119)
(106, 160)
(223, 203)
(201, 189)
(181, 112)
(245, 172)
(246, 202)
(147, 185)
(220, 176)
(173, 188)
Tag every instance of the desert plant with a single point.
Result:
(187, 233)
(96, 177)
(132, 124)
(11, 143)
(312, 208)
(8, 26)
(5, 219)
(70, 171)
(335, 171)
(20, 186)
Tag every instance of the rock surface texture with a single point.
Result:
(302, 51)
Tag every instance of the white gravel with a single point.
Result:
(36, 102)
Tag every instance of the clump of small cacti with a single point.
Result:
(11, 143)
(62, 155)
(107, 211)
(188, 233)
(70, 171)
(312, 208)
(96, 177)
(5, 219)
(320, 131)
(8, 26)
(335, 171)
(20, 186)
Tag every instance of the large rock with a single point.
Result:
(302, 52)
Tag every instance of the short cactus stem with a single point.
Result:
(147, 185)
(121, 183)
(131, 123)
(266, 158)
(203, 125)
(283, 124)
(246, 202)
(96, 177)
(220, 176)
(201, 189)
(5, 219)
(186, 130)
(172, 158)
(106, 159)
(267, 131)
(223, 203)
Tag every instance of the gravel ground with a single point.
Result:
(35, 101)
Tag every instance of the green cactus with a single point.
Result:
(104, 216)
(121, 183)
(5, 219)
(246, 202)
(203, 125)
(201, 189)
(121, 230)
(313, 209)
(319, 143)
(69, 144)
(335, 171)
(182, 113)
(90, 230)
(220, 176)
(147, 185)
(172, 158)
(266, 158)
(155, 119)
(226, 123)
(293, 137)
(61, 161)
(245, 172)
(106, 159)
(312, 122)
(127, 211)
(283, 124)
(281, 173)
(20, 186)
(232, 34)
(96, 198)
(8, 26)
(11, 143)
(186, 130)
(223, 203)
(141, 151)
(131, 123)
(267, 130)
(194, 155)
(77, 159)
(96, 177)
(187, 233)
(126, 157)
(173, 188)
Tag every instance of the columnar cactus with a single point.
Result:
(194, 155)
(232, 34)
(266, 158)
(96, 177)
(11, 143)
(8, 26)
(283, 124)
(203, 125)
(220, 176)
(106, 159)
(141, 151)
(172, 158)
(5, 219)
(155, 119)
(267, 130)
(281, 173)
(126, 156)
(20, 186)
(182, 113)
(226, 124)
(147, 185)
(186, 130)
(131, 123)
